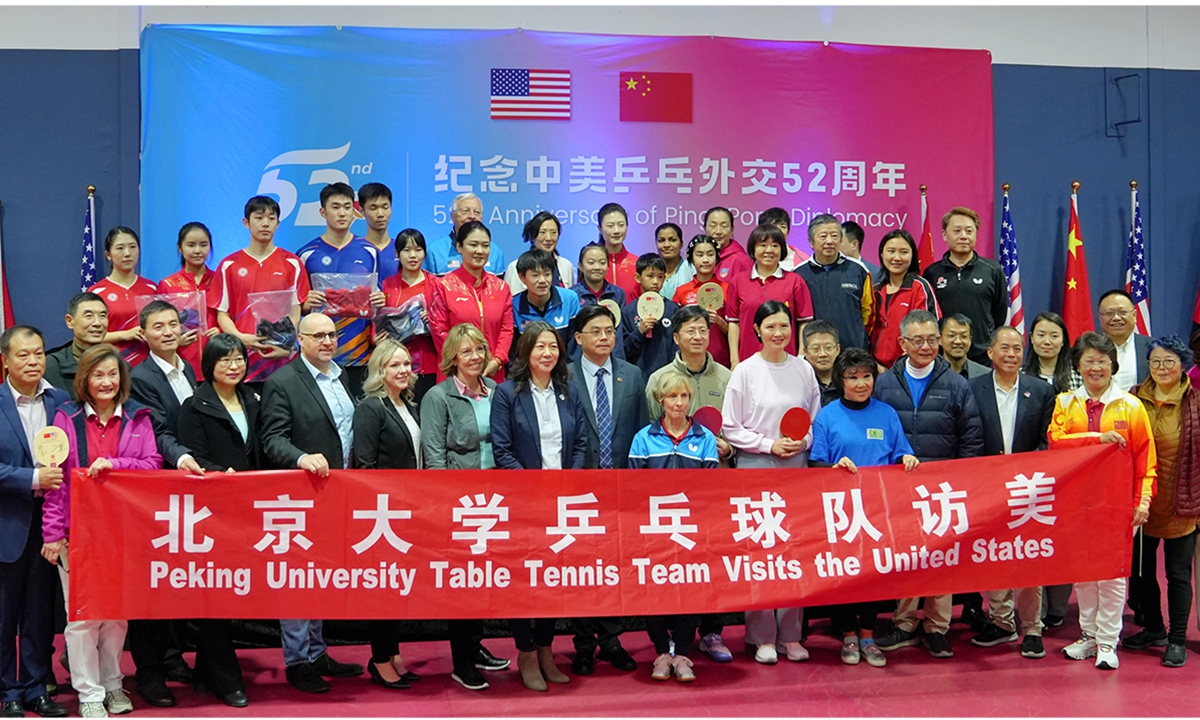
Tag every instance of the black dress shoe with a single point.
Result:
(329, 667)
(13, 709)
(236, 699)
(484, 660)
(618, 658)
(410, 676)
(305, 678)
(584, 663)
(181, 674)
(45, 707)
(157, 694)
(377, 679)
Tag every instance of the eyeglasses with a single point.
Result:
(232, 361)
(1101, 363)
(1163, 363)
(472, 352)
(470, 212)
(601, 332)
(1110, 314)
(826, 348)
(321, 336)
(930, 341)
(692, 331)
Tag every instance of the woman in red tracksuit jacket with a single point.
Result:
(899, 289)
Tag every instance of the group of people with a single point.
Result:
(526, 366)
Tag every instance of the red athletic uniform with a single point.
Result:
(123, 313)
(184, 282)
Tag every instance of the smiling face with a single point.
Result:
(398, 371)
(25, 361)
(613, 228)
(162, 333)
(692, 337)
(776, 331)
(103, 383)
(1096, 369)
(469, 209)
(338, 212)
(544, 355)
(822, 349)
(547, 237)
(411, 256)
(956, 340)
(1046, 340)
(475, 249)
(123, 253)
(195, 248)
(318, 339)
(766, 256)
(1165, 367)
(1116, 318)
(920, 343)
(858, 384)
(897, 256)
(89, 323)
(719, 226)
(470, 360)
(1007, 352)
(669, 243)
(229, 370)
(594, 265)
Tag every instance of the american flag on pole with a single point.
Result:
(87, 268)
(1136, 282)
(1012, 268)
(519, 94)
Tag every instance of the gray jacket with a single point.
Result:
(449, 432)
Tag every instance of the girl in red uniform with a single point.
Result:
(702, 253)
(399, 289)
(622, 264)
(899, 289)
(473, 295)
(194, 245)
(122, 248)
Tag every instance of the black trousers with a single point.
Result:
(27, 601)
(464, 643)
(853, 617)
(1177, 555)
(662, 629)
(154, 645)
(595, 631)
(216, 662)
(385, 639)
(710, 624)
(529, 635)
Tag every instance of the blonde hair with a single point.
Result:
(374, 386)
(670, 381)
(454, 341)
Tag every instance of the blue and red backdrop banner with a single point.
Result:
(529, 121)
(498, 544)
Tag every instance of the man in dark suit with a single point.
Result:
(613, 394)
(162, 382)
(1016, 411)
(27, 589)
(307, 423)
(1118, 322)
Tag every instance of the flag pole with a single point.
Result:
(91, 190)
(1005, 187)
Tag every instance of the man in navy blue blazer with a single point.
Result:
(27, 582)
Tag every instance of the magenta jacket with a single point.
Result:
(136, 450)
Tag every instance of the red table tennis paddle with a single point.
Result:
(709, 417)
(795, 423)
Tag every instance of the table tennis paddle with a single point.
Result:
(50, 447)
(795, 424)
(709, 417)
(650, 305)
(710, 296)
(613, 308)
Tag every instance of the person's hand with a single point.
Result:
(189, 337)
(51, 551)
(1140, 516)
(379, 337)
(315, 298)
(378, 299)
(646, 325)
(128, 335)
(492, 368)
(190, 466)
(212, 332)
(424, 316)
(724, 449)
(315, 463)
(848, 464)
(50, 478)
(270, 352)
(1112, 436)
(99, 465)
(910, 462)
(787, 448)
(713, 319)
(230, 471)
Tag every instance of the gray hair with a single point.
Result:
(818, 221)
(460, 199)
(917, 317)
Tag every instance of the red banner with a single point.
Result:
(499, 544)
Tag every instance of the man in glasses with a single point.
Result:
(941, 421)
(1119, 324)
(307, 423)
(443, 256)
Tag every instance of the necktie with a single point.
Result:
(603, 421)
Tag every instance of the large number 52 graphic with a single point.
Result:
(272, 184)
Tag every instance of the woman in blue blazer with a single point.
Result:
(538, 405)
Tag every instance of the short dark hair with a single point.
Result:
(153, 308)
(718, 208)
(260, 203)
(668, 226)
(520, 371)
(688, 313)
(996, 334)
(1115, 291)
(1174, 345)
(852, 358)
(373, 190)
(650, 260)
(956, 317)
(775, 216)
(854, 231)
(337, 189)
(914, 264)
(217, 347)
(698, 240)
(534, 226)
(111, 237)
(535, 259)
(819, 326)
(767, 233)
(8, 335)
(409, 234)
(818, 221)
(591, 312)
(769, 308)
(80, 298)
(1094, 341)
(469, 227)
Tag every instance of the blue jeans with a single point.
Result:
(303, 641)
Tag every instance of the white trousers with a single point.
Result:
(1100, 606)
(94, 648)
(767, 627)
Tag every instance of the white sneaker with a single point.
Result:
(117, 702)
(766, 655)
(1106, 657)
(794, 650)
(1081, 649)
(662, 667)
(92, 710)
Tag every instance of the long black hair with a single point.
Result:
(1062, 366)
(520, 371)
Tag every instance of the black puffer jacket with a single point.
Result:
(947, 424)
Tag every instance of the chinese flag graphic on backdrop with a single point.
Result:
(656, 97)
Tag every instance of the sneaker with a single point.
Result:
(895, 639)
(92, 710)
(117, 702)
(994, 635)
(850, 651)
(872, 654)
(794, 651)
(1052, 621)
(1032, 647)
(1081, 649)
(1175, 656)
(1145, 638)
(662, 667)
(683, 669)
(484, 660)
(939, 645)
(470, 678)
(974, 618)
(1106, 657)
(715, 647)
(766, 655)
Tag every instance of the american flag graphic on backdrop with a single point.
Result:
(519, 94)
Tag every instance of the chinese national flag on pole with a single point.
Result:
(656, 97)
(1077, 296)
(925, 246)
